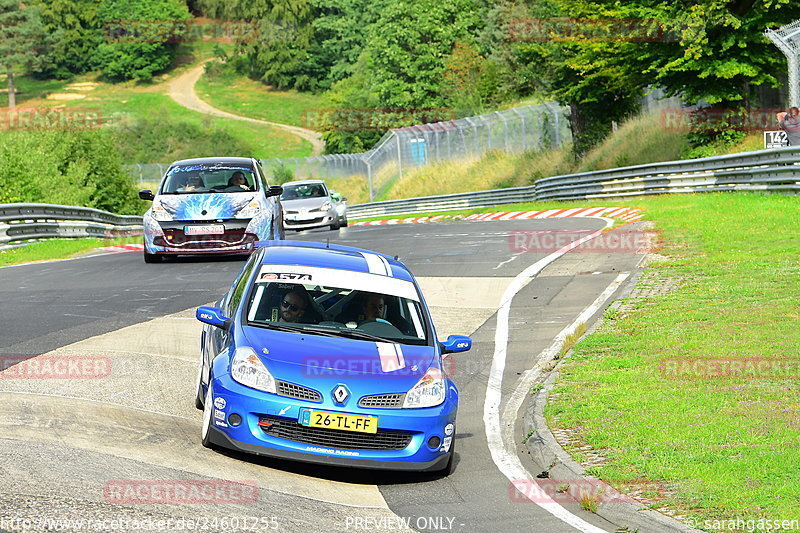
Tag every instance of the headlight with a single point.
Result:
(428, 392)
(250, 211)
(247, 369)
(325, 206)
(161, 214)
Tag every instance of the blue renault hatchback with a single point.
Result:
(327, 354)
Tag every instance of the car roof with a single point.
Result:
(214, 160)
(303, 182)
(335, 256)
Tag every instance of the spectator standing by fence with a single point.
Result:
(790, 123)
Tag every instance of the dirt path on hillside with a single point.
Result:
(181, 89)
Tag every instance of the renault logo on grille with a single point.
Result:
(340, 394)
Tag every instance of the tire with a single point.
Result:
(198, 397)
(152, 258)
(450, 466)
(208, 413)
(344, 223)
(335, 225)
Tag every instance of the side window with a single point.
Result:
(240, 285)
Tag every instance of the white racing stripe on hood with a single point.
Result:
(391, 356)
(377, 264)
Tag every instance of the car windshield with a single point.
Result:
(310, 190)
(220, 178)
(337, 303)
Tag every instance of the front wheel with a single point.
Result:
(208, 412)
(198, 397)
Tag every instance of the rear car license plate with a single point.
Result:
(340, 421)
(211, 229)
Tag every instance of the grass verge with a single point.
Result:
(650, 387)
(237, 94)
(54, 249)
(654, 388)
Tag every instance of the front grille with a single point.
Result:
(296, 391)
(303, 222)
(332, 438)
(382, 401)
(229, 238)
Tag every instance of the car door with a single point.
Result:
(273, 204)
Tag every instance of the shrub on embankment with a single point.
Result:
(80, 168)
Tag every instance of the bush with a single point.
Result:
(137, 48)
(154, 140)
(281, 174)
(71, 168)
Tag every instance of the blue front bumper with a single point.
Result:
(418, 426)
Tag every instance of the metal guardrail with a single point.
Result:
(776, 170)
(23, 222)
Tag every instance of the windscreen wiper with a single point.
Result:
(353, 334)
(292, 329)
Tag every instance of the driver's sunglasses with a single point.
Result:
(291, 307)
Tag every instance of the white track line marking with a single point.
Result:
(507, 460)
(529, 376)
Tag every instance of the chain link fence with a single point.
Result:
(146, 173)
(539, 127)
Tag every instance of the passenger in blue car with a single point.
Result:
(374, 308)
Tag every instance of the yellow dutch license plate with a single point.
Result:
(343, 422)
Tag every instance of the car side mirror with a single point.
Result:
(213, 317)
(275, 190)
(456, 344)
(147, 194)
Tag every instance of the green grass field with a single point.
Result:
(56, 249)
(708, 446)
(242, 96)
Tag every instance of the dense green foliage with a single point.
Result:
(65, 167)
(122, 38)
(77, 27)
(153, 140)
(596, 56)
(147, 50)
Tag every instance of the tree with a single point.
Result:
(409, 45)
(22, 40)
(78, 33)
(136, 45)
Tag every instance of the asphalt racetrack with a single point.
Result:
(86, 454)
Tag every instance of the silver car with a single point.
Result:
(308, 204)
